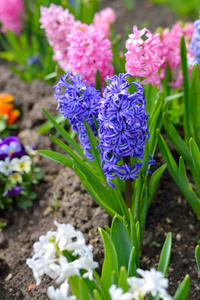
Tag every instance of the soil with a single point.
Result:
(169, 211)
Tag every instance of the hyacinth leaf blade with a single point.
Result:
(154, 181)
(195, 103)
(74, 283)
(176, 139)
(92, 191)
(98, 80)
(110, 264)
(175, 172)
(134, 239)
(121, 241)
(154, 122)
(195, 154)
(137, 196)
(122, 280)
(83, 292)
(48, 125)
(93, 143)
(75, 157)
(164, 259)
(165, 255)
(62, 159)
(183, 289)
(97, 296)
(197, 256)
(193, 200)
(184, 65)
(131, 264)
(64, 134)
(143, 210)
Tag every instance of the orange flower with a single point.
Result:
(6, 108)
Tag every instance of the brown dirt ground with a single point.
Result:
(169, 211)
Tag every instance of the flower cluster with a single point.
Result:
(89, 51)
(151, 282)
(10, 15)
(16, 170)
(77, 46)
(50, 258)
(78, 102)
(57, 23)
(8, 114)
(195, 44)
(103, 19)
(170, 49)
(142, 57)
(122, 129)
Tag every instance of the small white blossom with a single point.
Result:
(151, 282)
(117, 294)
(61, 293)
(5, 166)
(66, 269)
(69, 239)
(15, 178)
(86, 262)
(22, 164)
(43, 259)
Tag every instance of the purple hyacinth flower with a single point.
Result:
(122, 129)
(78, 102)
(195, 44)
(16, 190)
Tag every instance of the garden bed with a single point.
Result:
(169, 211)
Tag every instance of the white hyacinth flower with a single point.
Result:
(66, 269)
(15, 178)
(117, 294)
(87, 263)
(5, 166)
(43, 259)
(61, 293)
(68, 238)
(22, 164)
(151, 282)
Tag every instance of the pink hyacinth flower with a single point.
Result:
(142, 57)
(170, 49)
(57, 23)
(88, 52)
(11, 12)
(103, 19)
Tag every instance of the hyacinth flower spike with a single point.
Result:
(122, 131)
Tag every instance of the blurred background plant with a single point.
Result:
(8, 115)
(181, 7)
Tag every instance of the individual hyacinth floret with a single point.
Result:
(122, 129)
(78, 102)
(50, 257)
(195, 44)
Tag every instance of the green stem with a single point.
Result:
(128, 185)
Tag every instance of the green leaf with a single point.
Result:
(83, 293)
(176, 139)
(183, 289)
(195, 103)
(98, 81)
(97, 296)
(122, 280)
(186, 123)
(64, 134)
(165, 255)
(154, 181)
(195, 154)
(110, 263)
(94, 195)
(121, 241)
(131, 263)
(62, 159)
(197, 256)
(48, 125)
